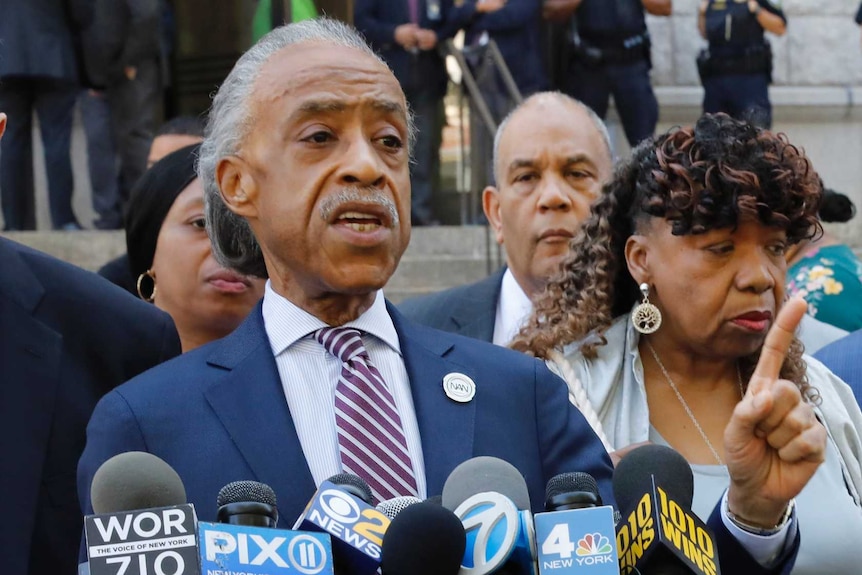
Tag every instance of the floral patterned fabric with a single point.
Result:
(830, 280)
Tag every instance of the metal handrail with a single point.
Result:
(488, 52)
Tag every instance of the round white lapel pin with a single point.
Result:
(459, 387)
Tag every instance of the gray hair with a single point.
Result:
(597, 122)
(230, 121)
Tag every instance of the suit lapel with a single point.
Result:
(476, 313)
(30, 353)
(250, 403)
(446, 426)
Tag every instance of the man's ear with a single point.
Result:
(637, 258)
(238, 187)
(2, 124)
(491, 205)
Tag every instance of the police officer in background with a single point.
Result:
(736, 67)
(609, 53)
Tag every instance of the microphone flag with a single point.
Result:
(160, 540)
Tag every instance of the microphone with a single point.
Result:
(576, 533)
(245, 539)
(141, 521)
(491, 499)
(424, 539)
(354, 485)
(659, 534)
(356, 528)
(247, 503)
(392, 507)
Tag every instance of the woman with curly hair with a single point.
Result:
(658, 322)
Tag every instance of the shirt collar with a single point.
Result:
(287, 323)
(514, 308)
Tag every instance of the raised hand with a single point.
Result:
(773, 442)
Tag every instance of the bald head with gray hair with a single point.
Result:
(540, 97)
(231, 120)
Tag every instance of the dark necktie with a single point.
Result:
(371, 439)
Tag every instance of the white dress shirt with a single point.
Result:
(513, 309)
(309, 375)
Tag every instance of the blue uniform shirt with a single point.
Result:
(609, 21)
(731, 27)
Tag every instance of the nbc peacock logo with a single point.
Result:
(593, 544)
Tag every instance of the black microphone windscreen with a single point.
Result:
(246, 491)
(484, 474)
(354, 484)
(135, 480)
(424, 539)
(392, 507)
(568, 482)
(632, 475)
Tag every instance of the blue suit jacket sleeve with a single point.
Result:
(733, 557)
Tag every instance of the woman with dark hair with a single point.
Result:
(664, 315)
(826, 272)
(171, 257)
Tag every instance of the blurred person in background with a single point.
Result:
(736, 67)
(130, 33)
(825, 271)
(174, 134)
(170, 254)
(39, 73)
(409, 34)
(609, 54)
(515, 27)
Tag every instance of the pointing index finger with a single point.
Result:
(777, 343)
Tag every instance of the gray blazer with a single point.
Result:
(468, 310)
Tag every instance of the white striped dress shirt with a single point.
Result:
(309, 375)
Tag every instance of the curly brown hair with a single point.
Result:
(701, 178)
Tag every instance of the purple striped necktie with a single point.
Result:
(413, 8)
(370, 437)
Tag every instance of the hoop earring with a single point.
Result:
(646, 317)
(152, 275)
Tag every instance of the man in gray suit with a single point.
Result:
(551, 157)
(38, 72)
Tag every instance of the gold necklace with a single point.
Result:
(685, 405)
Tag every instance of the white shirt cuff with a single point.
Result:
(764, 548)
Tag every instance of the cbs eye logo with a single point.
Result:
(339, 506)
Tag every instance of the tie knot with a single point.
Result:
(345, 343)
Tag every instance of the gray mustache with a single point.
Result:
(366, 195)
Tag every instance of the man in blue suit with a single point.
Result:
(67, 337)
(305, 170)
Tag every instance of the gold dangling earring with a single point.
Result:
(646, 317)
(152, 275)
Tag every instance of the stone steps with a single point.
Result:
(437, 257)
